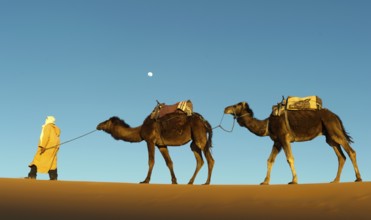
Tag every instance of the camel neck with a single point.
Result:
(127, 133)
(256, 126)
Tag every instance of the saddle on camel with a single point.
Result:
(162, 109)
(293, 103)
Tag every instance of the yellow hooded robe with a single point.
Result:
(49, 139)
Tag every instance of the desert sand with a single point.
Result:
(43, 199)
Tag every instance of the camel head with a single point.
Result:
(110, 123)
(239, 109)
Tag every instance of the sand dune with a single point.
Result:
(42, 199)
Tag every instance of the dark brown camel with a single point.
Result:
(174, 129)
(303, 125)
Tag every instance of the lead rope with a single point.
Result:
(220, 124)
(73, 139)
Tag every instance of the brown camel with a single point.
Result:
(302, 125)
(174, 129)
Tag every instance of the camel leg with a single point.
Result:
(272, 157)
(290, 160)
(340, 155)
(338, 135)
(353, 157)
(200, 162)
(341, 161)
(151, 161)
(165, 153)
(210, 163)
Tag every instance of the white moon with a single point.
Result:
(150, 74)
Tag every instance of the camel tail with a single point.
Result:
(209, 131)
(328, 115)
(346, 134)
(209, 143)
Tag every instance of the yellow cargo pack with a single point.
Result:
(303, 103)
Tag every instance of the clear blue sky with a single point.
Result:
(85, 61)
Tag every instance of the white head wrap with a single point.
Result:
(48, 120)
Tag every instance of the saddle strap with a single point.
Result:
(288, 125)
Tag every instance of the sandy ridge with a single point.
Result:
(42, 199)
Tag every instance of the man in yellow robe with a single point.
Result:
(45, 159)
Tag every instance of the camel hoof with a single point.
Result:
(358, 180)
(264, 183)
(292, 183)
(335, 181)
(191, 182)
(205, 184)
(174, 181)
(144, 182)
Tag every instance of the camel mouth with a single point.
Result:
(99, 127)
(229, 111)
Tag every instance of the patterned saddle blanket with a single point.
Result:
(162, 109)
(297, 103)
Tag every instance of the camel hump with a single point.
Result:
(162, 109)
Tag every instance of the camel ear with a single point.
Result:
(244, 104)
